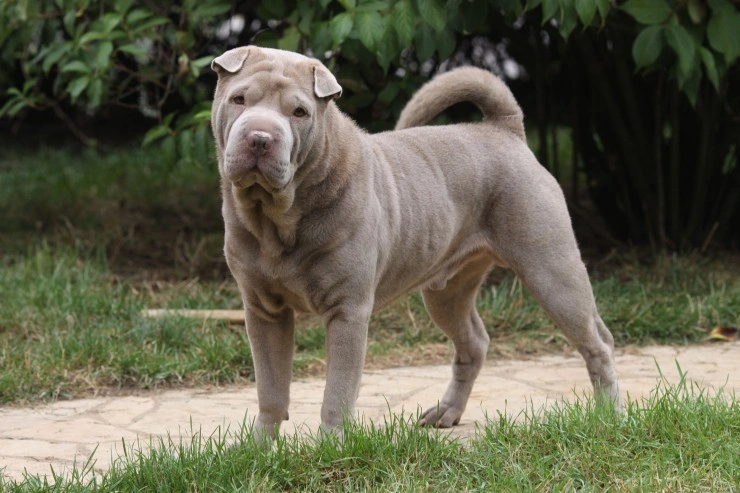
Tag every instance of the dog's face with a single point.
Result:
(266, 114)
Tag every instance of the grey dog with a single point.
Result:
(322, 217)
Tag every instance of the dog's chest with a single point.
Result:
(285, 280)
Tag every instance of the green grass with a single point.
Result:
(679, 439)
(90, 238)
(145, 214)
(70, 326)
(67, 326)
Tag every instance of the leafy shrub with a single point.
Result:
(643, 85)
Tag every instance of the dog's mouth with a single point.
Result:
(260, 180)
(242, 183)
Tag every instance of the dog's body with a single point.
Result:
(324, 218)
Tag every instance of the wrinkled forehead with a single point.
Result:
(277, 69)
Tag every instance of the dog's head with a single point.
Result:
(267, 112)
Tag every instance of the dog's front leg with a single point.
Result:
(271, 342)
(346, 342)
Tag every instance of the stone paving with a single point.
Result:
(58, 434)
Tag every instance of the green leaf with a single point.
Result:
(202, 144)
(110, 21)
(133, 49)
(370, 29)
(202, 116)
(156, 133)
(185, 144)
(433, 12)
(425, 43)
(305, 16)
(212, 10)
(697, 11)
(404, 22)
(12, 107)
(683, 45)
(69, 22)
(710, 67)
(202, 62)
(267, 39)
(603, 6)
(690, 85)
(549, 9)
(389, 92)
(53, 55)
(122, 6)
(340, 27)
(722, 31)
(532, 4)
(446, 44)
(647, 46)
(320, 38)
(76, 66)
(196, 66)
(387, 50)
(567, 25)
(372, 6)
(586, 10)
(137, 14)
(91, 36)
(150, 23)
(76, 87)
(648, 11)
(102, 54)
(95, 94)
(568, 20)
(290, 40)
(169, 150)
(274, 9)
(348, 4)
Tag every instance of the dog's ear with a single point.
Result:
(324, 83)
(231, 61)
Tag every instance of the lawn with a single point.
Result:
(90, 239)
(678, 439)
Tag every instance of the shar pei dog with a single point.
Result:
(322, 217)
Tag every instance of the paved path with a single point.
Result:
(59, 433)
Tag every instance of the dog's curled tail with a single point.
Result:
(466, 84)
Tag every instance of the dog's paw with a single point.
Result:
(441, 416)
(265, 433)
(331, 433)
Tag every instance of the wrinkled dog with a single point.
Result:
(323, 218)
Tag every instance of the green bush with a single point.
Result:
(643, 86)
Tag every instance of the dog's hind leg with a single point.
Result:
(453, 310)
(534, 237)
(561, 285)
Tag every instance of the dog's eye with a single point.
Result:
(238, 100)
(300, 112)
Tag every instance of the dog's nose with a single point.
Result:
(259, 142)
